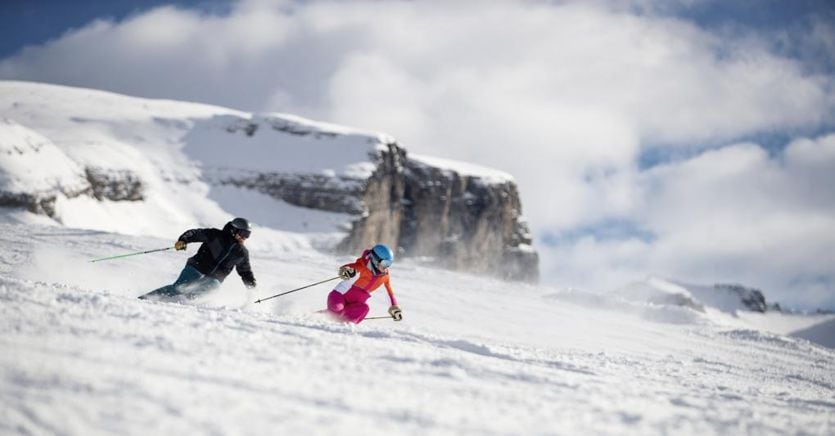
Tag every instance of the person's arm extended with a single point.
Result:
(245, 271)
(195, 235)
(349, 270)
(391, 294)
(394, 310)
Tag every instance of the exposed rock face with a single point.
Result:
(316, 191)
(472, 222)
(383, 200)
(462, 222)
(114, 185)
(102, 184)
(40, 204)
(752, 298)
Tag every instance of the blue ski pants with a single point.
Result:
(190, 284)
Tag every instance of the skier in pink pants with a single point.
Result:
(372, 267)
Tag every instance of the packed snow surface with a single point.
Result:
(81, 355)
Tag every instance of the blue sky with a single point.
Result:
(25, 22)
(691, 139)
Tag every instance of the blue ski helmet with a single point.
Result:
(382, 256)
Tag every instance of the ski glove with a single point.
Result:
(346, 272)
(180, 245)
(395, 312)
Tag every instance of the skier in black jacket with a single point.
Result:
(220, 251)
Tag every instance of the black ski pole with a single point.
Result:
(297, 289)
(132, 254)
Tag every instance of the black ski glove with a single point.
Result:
(396, 313)
(346, 272)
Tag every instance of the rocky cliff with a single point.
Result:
(464, 220)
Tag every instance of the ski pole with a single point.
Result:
(297, 289)
(132, 254)
(379, 317)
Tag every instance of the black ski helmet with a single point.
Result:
(240, 226)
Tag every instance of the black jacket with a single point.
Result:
(219, 253)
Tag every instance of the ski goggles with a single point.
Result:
(243, 233)
(381, 264)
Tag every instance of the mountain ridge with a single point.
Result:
(131, 153)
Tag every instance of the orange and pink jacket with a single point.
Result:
(367, 280)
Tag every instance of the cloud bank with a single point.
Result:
(570, 97)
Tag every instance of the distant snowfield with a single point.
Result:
(81, 355)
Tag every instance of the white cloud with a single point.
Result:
(564, 95)
(734, 214)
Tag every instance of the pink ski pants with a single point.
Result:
(350, 306)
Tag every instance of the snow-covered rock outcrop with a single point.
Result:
(728, 298)
(34, 172)
(160, 164)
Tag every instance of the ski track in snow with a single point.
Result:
(470, 357)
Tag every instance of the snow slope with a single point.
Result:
(24, 151)
(81, 355)
(49, 134)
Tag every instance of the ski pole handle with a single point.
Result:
(131, 254)
(297, 289)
